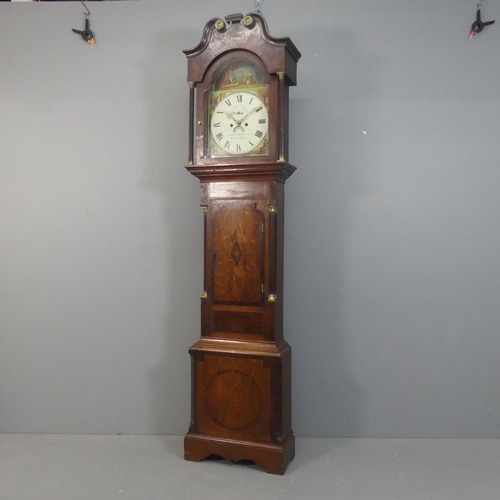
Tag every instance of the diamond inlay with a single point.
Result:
(236, 253)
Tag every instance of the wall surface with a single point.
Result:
(392, 233)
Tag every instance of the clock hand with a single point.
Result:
(247, 115)
(229, 115)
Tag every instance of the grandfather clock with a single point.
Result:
(238, 148)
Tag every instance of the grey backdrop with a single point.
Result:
(392, 235)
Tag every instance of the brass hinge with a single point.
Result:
(271, 297)
(273, 209)
(262, 288)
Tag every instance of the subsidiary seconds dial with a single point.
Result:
(239, 123)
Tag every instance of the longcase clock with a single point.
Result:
(239, 77)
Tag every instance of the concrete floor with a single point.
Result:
(77, 467)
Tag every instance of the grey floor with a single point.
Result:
(74, 467)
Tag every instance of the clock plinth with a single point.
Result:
(274, 458)
(241, 366)
(241, 402)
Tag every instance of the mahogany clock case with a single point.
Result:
(241, 366)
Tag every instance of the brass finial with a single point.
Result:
(248, 21)
(220, 25)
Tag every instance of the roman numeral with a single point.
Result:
(259, 134)
(260, 121)
(258, 109)
(239, 97)
(251, 101)
(228, 102)
(251, 144)
(218, 124)
(219, 136)
(238, 147)
(227, 145)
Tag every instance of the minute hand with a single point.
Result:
(248, 114)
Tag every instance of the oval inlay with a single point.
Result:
(234, 400)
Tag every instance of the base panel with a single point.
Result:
(274, 458)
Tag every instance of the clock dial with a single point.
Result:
(239, 123)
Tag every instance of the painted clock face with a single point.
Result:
(239, 123)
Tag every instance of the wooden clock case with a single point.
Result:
(241, 366)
